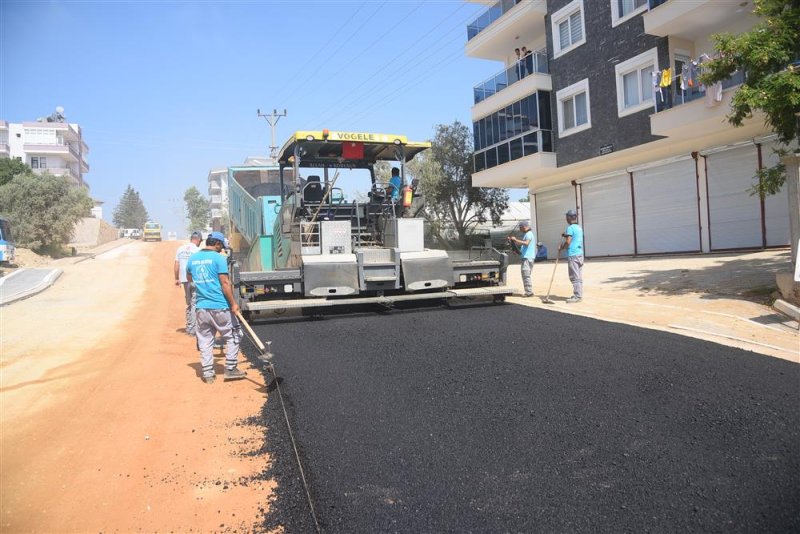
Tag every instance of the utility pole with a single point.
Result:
(272, 119)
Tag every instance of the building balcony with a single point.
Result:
(514, 160)
(533, 64)
(3, 125)
(506, 25)
(65, 172)
(67, 130)
(696, 20)
(47, 150)
(5, 150)
(214, 186)
(215, 200)
(693, 116)
(216, 213)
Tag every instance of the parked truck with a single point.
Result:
(299, 243)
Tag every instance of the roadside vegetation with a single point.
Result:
(770, 55)
(198, 210)
(43, 209)
(130, 212)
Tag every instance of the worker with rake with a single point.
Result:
(216, 308)
(573, 242)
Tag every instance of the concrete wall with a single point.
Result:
(605, 46)
(90, 232)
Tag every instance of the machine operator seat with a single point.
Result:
(312, 192)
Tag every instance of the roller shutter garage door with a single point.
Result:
(665, 200)
(734, 216)
(550, 220)
(776, 207)
(608, 216)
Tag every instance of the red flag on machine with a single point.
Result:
(351, 150)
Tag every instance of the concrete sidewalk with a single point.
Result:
(22, 282)
(722, 298)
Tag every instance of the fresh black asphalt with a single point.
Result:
(513, 419)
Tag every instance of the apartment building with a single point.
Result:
(218, 198)
(55, 147)
(589, 120)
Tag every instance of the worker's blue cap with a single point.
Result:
(219, 236)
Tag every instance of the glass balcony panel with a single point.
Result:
(547, 140)
(490, 15)
(516, 148)
(533, 63)
(530, 144)
(491, 158)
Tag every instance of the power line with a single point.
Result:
(356, 98)
(313, 72)
(395, 89)
(325, 46)
(392, 96)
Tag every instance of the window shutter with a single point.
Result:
(569, 114)
(575, 27)
(581, 116)
(563, 32)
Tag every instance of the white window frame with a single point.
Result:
(560, 16)
(617, 18)
(569, 93)
(635, 63)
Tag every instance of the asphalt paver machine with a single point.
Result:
(302, 244)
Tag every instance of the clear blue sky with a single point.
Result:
(165, 91)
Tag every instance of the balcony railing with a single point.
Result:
(674, 96)
(532, 63)
(489, 16)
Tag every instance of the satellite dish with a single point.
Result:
(59, 109)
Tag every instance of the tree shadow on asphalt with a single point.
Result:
(740, 277)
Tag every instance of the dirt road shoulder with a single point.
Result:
(106, 425)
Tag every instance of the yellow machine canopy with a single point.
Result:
(356, 149)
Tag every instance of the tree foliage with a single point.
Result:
(43, 209)
(198, 209)
(9, 168)
(769, 55)
(445, 174)
(130, 212)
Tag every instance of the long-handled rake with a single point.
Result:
(265, 353)
(547, 300)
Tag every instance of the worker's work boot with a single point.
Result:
(209, 379)
(234, 374)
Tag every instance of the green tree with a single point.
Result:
(130, 212)
(9, 168)
(769, 54)
(445, 174)
(43, 209)
(197, 208)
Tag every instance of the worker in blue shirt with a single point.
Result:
(216, 307)
(573, 242)
(395, 185)
(528, 253)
